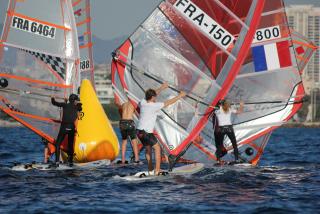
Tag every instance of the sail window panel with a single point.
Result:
(167, 66)
(170, 133)
(213, 45)
(30, 104)
(180, 112)
(138, 84)
(45, 127)
(263, 89)
(196, 153)
(200, 108)
(159, 25)
(203, 148)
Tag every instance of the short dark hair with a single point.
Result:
(150, 93)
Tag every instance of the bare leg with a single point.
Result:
(46, 154)
(123, 149)
(149, 157)
(134, 144)
(166, 158)
(163, 155)
(157, 151)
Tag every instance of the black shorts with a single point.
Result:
(147, 139)
(127, 129)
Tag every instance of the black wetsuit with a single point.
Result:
(70, 114)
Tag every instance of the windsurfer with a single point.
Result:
(128, 129)
(46, 152)
(149, 109)
(71, 112)
(224, 127)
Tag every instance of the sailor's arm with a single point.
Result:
(55, 103)
(240, 110)
(175, 99)
(162, 87)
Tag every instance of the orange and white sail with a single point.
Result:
(82, 16)
(39, 56)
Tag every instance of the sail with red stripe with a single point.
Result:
(83, 21)
(39, 58)
(270, 85)
(197, 46)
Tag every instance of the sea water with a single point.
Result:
(287, 180)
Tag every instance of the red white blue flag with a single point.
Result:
(272, 56)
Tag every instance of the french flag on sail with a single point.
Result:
(271, 56)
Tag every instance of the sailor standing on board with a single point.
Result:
(128, 129)
(71, 110)
(223, 115)
(149, 110)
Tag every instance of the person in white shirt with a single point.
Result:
(149, 110)
(224, 127)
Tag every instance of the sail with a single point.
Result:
(270, 85)
(197, 46)
(82, 15)
(304, 49)
(39, 59)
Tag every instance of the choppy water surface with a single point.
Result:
(286, 181)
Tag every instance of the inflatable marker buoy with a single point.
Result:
(95, 138)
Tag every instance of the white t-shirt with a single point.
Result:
(224, 119)
(148, 115)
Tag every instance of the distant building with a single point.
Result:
(305, 19)
(103, 84)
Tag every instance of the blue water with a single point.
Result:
(287, 180)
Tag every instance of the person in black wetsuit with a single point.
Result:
(70, 115)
